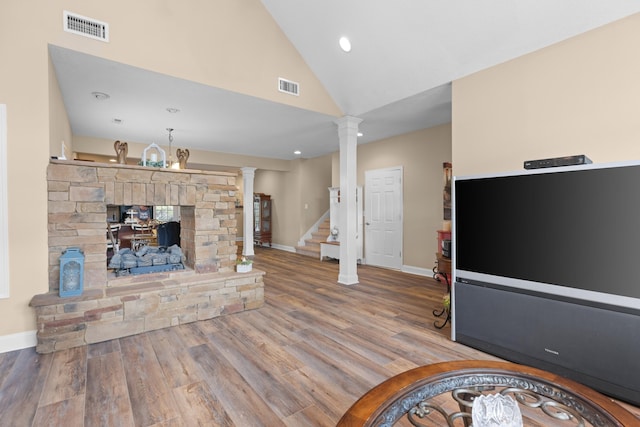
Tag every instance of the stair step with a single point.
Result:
(311, 246)
(315, 242)
(308, 251)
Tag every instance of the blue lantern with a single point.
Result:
(71, 272)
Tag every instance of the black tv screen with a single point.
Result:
(573, 231)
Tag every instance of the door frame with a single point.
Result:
(400, 198)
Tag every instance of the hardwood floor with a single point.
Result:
(301, 360)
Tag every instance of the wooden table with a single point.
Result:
(444, 265)
(447, 390)
(138, 240)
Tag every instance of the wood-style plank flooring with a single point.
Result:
(301, 360)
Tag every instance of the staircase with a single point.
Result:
(312, 246)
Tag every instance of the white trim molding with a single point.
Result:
(418, 271)
(17, 341)
(284, 248)
(4, 203)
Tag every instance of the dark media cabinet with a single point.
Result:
(595, 344)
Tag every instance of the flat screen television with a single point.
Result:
(546, 269)
(572, 231)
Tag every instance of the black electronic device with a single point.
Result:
(446, 248)
(546, 271)
(579, 159)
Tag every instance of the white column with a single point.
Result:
(348, 134)
(248, 174)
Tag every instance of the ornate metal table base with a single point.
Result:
(440, 313)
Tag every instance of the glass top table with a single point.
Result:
(442, 394)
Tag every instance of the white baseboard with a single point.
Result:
(18, 341)
(417, 270)
(284, 248)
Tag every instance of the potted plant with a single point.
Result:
(243, 265)
(446, 302)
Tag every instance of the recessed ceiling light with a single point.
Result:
(297, 152)
(173, 110)
(345, 44)
(100, 96)
(360, 134)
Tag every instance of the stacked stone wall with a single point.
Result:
(79, 194)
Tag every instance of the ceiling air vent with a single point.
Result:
(84, 26)
(287, 86)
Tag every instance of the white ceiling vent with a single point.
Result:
(287, 86)
(83, 26)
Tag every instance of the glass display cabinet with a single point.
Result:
(261, 219)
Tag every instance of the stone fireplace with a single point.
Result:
(79, 193)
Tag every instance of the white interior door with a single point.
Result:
(383, 217)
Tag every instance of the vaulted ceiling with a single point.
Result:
(397, 77)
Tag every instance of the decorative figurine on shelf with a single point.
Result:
(183, 156)
(122, 149)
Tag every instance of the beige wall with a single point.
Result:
(233, 45)
(306, 183)
(24, 89)
(581, 96)
(315, 180)
(421, 154)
